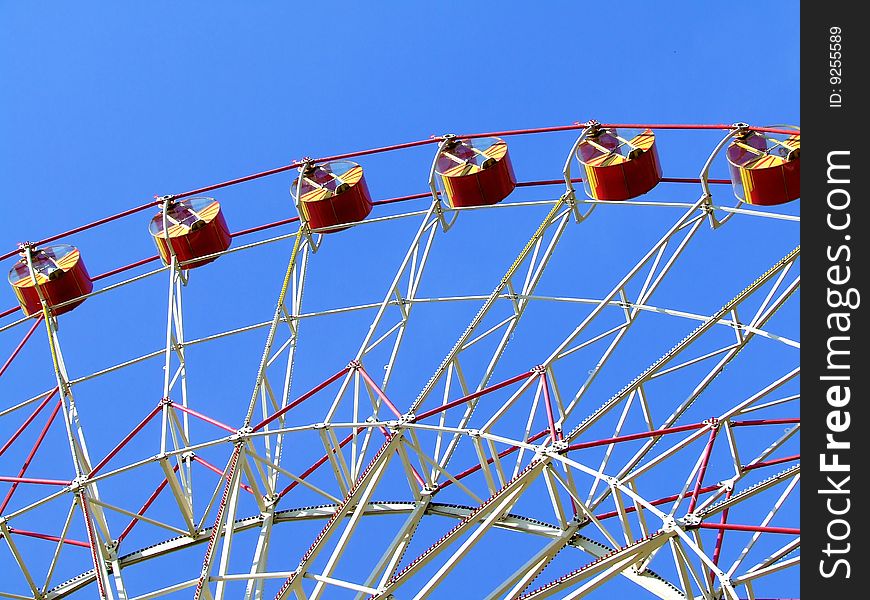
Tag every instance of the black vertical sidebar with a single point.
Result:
(835, 440)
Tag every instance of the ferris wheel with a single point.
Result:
(426, 411)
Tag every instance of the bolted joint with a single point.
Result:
(690, 520)
(167, 200)
(408, 418)
(669, 524)
(713, 422)
(354, 365)
(593, 128)
(448, 140)
(188, 456)
(559, 446)
(741, 129)
(77, 484)
(242, 435)
(165, 401)
(539, 369)
(321, 426)
(307, 165)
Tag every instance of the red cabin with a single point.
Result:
(195, 227)
(765, 170)
(60, 276)
(619, 165)
(334, 193)
(475, 172)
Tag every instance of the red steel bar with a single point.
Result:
(30, 456)
(470, 397)
(50, 538)
(755, 528)
(9, 311)
(203, 417)
(34, 481)
(551, 422)
(523, 131)
(720, 536)
(230, 182)
(765, 422)
(296, 165)
(123, 442)
(87, 226)
(768, 463)
(28, 421)
(146, 506)
(689, 127)
(138, 263)
(431, 140)
(317, 464)
(301, 399)
(20, 346)
(704, 461)
(213, 468)
(693, 180)
(636, 436)
(489, 461)
(665, 500)
(379, 392)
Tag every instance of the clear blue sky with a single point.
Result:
(103, 105)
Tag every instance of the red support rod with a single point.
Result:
(123, 442)
(50, 538)
(379, 392)
(29, 458)
(214, 469)
(551, 423)
(489, 461)
(510, 132)
(28, 421)
(230, 182)
(689, 127)
(9, 311)
(470, 397)
(720, 536)
(431, 140)
(138, 263)
(767, 463)
(703, 470)
(301, 399)
(203, 417)
(755, 528)
(637, 436)
(665, 500)
(317, 464)
(19, 347)
(764, 422)
(146, 506)
(87, 226)
(34, 481)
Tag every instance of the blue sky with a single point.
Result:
(104, 105)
